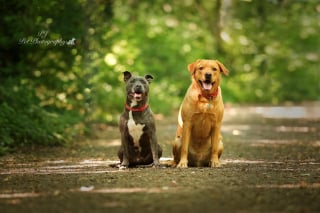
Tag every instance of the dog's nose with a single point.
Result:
(208, 76)
(138, 88)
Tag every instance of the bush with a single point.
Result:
(24, 122)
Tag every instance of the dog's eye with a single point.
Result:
(200, 68)
(214, 69)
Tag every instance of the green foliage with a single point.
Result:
(62, 61)
(271, 45)
(23, 122)
(41, 95)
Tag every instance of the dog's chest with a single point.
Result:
(136, 131)
(206, 106)
(202, 124)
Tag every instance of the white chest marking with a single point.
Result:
(135, 130)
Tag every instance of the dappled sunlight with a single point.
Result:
(105, 143)
(15, 197)
(268, 142)
(125, 190)
(292, 112)
(60, 170)
(243, 161)
(227, 161)
(300, 185)
(266, 162)
(63, 91)
(87, 166)
(235, 129)
(302, 129)
(276, 112)
(8, 195)
(114, 142)
(99, 166)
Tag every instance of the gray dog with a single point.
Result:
(139, 144)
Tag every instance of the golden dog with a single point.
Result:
(198, 139)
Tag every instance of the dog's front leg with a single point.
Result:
(154, 150)
(214, 161)
(185, 141)
(124, 143)
(125, 154)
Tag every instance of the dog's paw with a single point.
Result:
(156, 164)
(214, 164)
(182, 164)
(123, 167)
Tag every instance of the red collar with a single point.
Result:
(140, 109)
(210, 95)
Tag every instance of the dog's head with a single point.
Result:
(137, 87)
(207, 73)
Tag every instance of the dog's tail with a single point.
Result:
(180, 121)
(180, 126)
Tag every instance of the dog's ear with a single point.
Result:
(192, 67)
(223, 69)
(149, 78)
(126, 75)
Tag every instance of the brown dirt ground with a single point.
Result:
(271, 163)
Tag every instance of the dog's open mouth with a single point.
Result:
(137, 96)
(206, 85)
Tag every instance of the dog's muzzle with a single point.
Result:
(137, 93)
(138, 89)
(207, 84)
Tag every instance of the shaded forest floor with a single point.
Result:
(271, 163)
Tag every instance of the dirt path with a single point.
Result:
(271, 163)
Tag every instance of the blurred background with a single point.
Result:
(62, 61)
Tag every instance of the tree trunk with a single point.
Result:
(217, 27)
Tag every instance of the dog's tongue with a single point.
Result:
(137, 95)
(207, 86)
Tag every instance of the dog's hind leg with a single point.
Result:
(220, 148)
(176, 150)
(120, 154)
